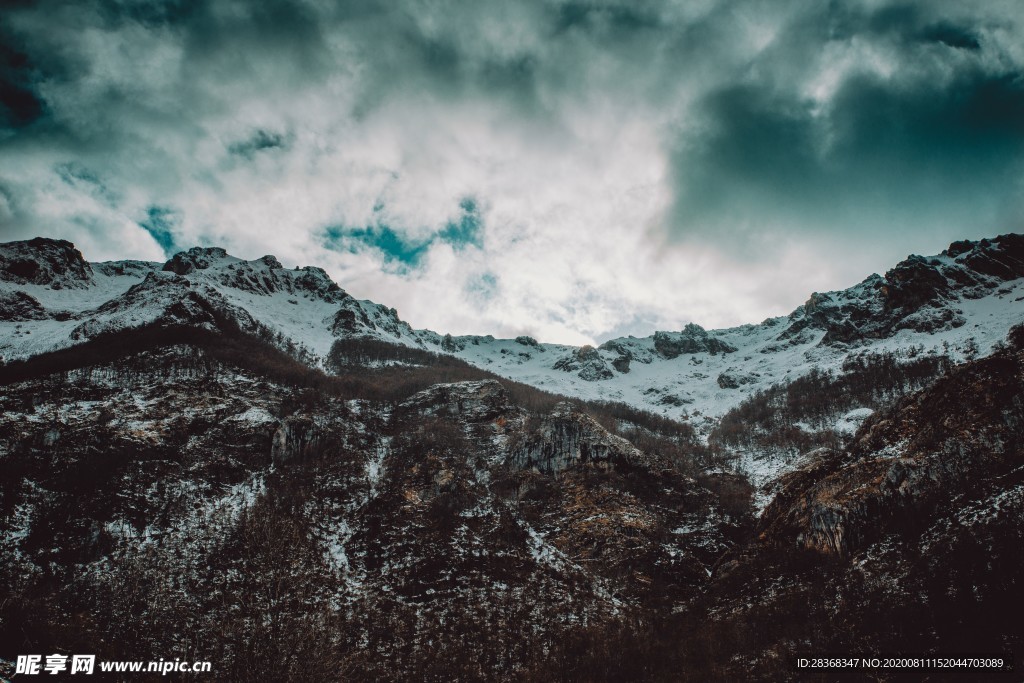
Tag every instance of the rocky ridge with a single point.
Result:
(176, 452)
(965, 299)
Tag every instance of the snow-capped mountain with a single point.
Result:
(952, 306)
(959, 303)
(235, 461)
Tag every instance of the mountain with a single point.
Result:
(966, 298)
(908, 539)
(208, 495)
(953, 306)
(234, 461)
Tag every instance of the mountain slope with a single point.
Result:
(907, 540)
(213, 498)
(957, 303)
(925, 312)
(183, 476)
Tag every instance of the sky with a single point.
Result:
(571, 170)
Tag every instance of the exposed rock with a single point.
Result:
(674, 400)
(733, 379)
(588, 361)
(266, 276)
(693, 339)
(126, 268)
(967, 428)
(474, 402)
(196, 258)
(529, 341)
(629, 349)
(451, 345)
(164, 299)
(568, 438)
(350, 321)
(295, 437)
(16, 306)
(919, 294)
(43, 261)
(621, 364)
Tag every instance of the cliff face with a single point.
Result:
(908, 539)
(568, 438)
(905, 464)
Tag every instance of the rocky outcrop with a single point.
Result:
(126, 268)
(41, 261)
(18, 306)
(628, 350)
(529, 341)
(267, 276)
(355, 319)
(450, 344)
(621, 364)
(196, 258)
(919, 294)
(474, 402)
(567, 438)
(263, 276)
(167, 299)
(587, 363)
(295, 437)
(692, 339)
(734, 379)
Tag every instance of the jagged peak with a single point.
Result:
(44, 261)
(1011, 242)
(270, 261)
(198, 258)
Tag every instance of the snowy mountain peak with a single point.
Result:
(956, 304)
(198, 258)
(921, 294)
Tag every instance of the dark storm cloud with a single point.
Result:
(605, 18)
(922, 129)
(953, 36)
(881, 150)
(20, 104)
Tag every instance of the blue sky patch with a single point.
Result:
(467, 231)
(400, 252)
(159, 223)
(380, 238)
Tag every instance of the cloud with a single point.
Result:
(570, 170)
(259, 141)
(861, 123)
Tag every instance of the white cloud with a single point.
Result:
(571, 139)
